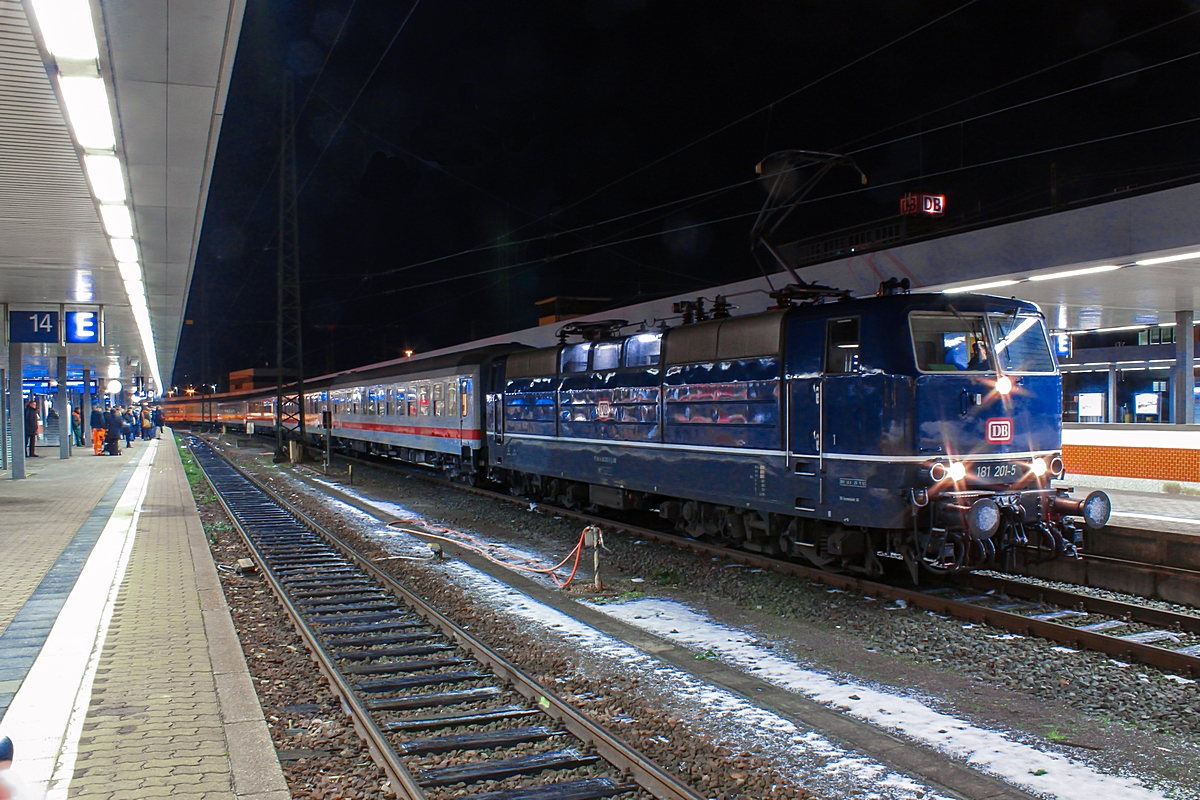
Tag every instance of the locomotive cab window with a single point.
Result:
(841, 352)
(1020, 343)
(643, 349)
(950, 343)
(606, 356)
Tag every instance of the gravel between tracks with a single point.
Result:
(321, 754)
(1059, 700)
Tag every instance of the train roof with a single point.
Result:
(384, 373)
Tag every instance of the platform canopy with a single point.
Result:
(109, 119)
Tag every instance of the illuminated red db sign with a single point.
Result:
(930, 205)
(1000, 430)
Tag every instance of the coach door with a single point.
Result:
(806, 341)
(495, 403)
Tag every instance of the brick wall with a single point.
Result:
(1154, 463)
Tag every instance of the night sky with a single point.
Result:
(629, 130)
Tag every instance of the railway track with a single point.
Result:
(441, 713)
(1127, 631)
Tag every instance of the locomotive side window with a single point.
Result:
(575, 357)
(841, 353)
(950, 343)
(643, 349)
(607, 355)
(1021, 344)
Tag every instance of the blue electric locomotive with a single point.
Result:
(923, 427)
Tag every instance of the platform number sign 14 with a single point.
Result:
(33, 326)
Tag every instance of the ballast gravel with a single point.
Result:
(320, 753)
(1083, 704)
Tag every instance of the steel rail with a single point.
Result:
(377, 744)
(1160, 657)
(647, 774)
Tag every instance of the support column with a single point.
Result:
(1112, 394)
(85, 408)
(61, 402)
(1185, 368)
(15, 375)
(3, 418)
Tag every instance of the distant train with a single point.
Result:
(919, 427)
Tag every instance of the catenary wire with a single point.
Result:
(744, 215)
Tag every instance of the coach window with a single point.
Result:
(439, 400)
(643, 349)
(465, 396)
(606, 356)
(452, 399)
(423, 399)
(575, 357)
(841, 352)
(411, 394)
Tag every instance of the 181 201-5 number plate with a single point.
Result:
(1003, 471)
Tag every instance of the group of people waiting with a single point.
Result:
(111, 425)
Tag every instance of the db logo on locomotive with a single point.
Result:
(999, 430)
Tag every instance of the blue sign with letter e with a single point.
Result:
(33, 326)
(83, 327)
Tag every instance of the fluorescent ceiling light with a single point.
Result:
(1112, 330)
(976, 287)
(108, 183)
(130, 270)
(67, 28)
(134, 287)
(87, 109)
(125, 249)
(1145, 262)
(1071, 273)
(117, 221)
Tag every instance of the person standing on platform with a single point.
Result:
(159, 418)
(147, 424)
(31, 428)
(127, 426)
(77, 426)
(98, 426)
(112, 432)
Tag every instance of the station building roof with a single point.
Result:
(1127, 262)
(161, 70)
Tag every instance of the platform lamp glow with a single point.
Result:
(68, 33)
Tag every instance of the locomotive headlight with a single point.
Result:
(937, 473)
(1039, 467)
(1004, 384)
(957, 471)
(1057, 466)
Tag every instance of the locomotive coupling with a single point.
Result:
(1095, 509)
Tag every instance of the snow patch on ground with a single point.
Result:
(731, 720)
(503, 553)
(995, 752)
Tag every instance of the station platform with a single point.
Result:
(121, 675)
